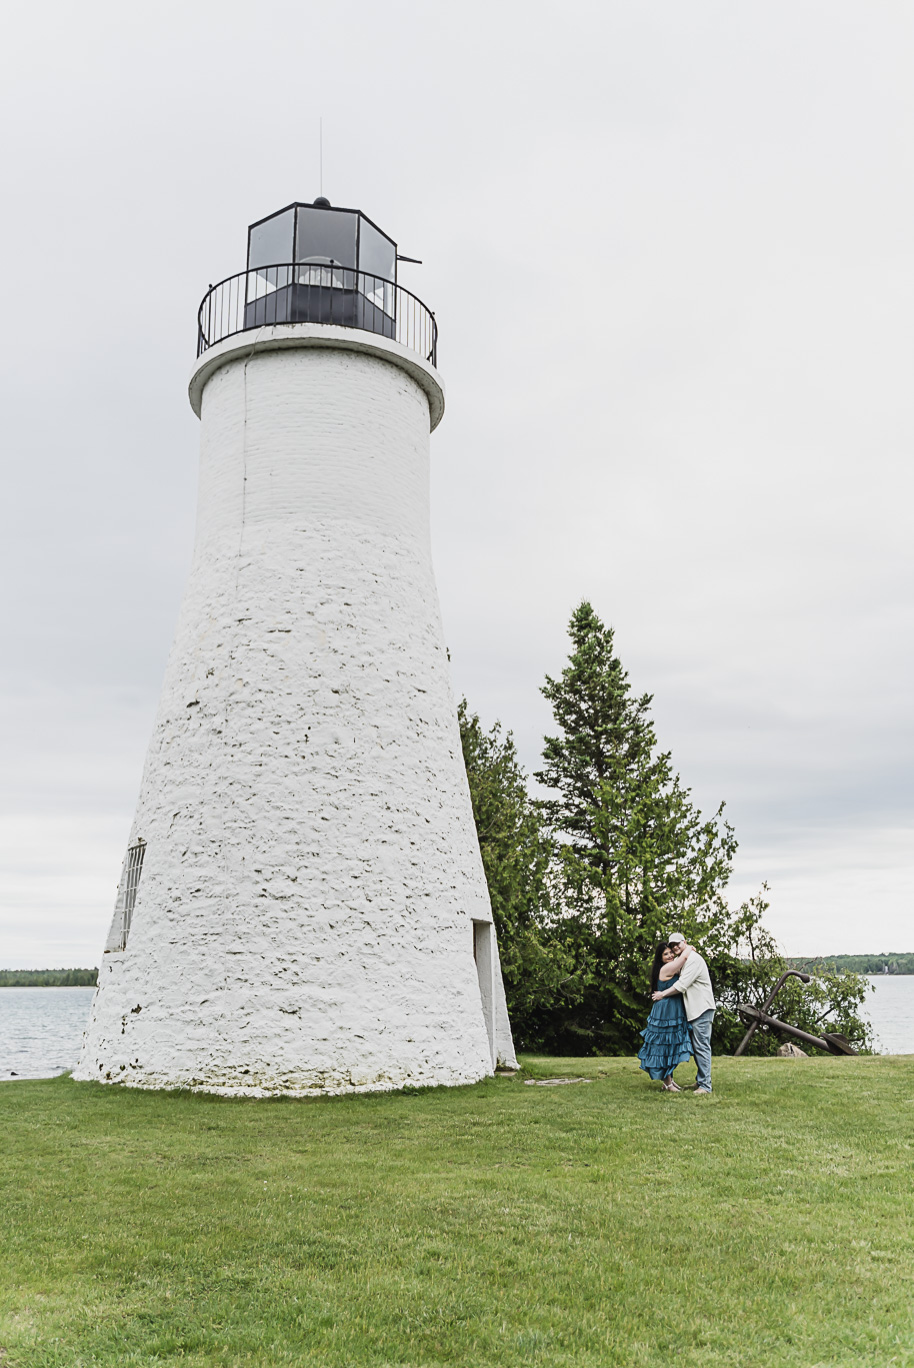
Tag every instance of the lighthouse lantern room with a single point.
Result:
(310, 263)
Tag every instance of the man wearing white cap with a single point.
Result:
(694, 983)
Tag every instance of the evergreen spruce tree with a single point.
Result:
(636, 858)
(627, 858)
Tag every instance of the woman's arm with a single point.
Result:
(675, 965)
(655, 997)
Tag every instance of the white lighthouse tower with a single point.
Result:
(302, 907)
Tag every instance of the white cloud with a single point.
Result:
(669, 250)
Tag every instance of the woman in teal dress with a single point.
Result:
(666, 1039)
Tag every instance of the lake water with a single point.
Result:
(41, 1028)
(890, 1008)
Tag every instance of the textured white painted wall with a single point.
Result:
(304, 917)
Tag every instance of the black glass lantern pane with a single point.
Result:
(270, 242)
(377, 254)
(325, 237)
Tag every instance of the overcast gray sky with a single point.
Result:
(671, 252)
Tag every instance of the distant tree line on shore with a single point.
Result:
(586, 881)
(854, 964)
(48, 978)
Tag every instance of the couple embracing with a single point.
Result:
(682, 1015)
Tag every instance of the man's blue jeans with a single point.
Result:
(701, 1047)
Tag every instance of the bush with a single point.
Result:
(830, 1002)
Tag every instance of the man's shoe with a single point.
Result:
(702, 1092)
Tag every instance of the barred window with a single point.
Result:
(126, 896)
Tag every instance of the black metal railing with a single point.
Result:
(305, 292)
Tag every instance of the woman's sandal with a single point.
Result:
(670, 1085)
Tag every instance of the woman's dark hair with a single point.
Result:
(658, 965)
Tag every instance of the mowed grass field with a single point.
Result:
(603, 1223)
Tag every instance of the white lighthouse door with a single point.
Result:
(483, 953)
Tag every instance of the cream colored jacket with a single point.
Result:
(695, 986)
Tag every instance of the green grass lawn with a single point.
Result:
(603, 1223)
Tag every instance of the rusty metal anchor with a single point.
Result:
(758, 1016)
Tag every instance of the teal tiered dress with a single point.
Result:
(666, 1039)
